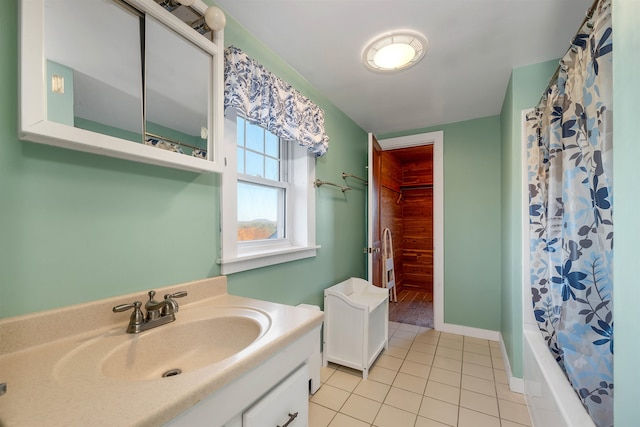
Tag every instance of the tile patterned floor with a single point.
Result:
(425, 379)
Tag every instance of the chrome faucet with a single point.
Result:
(158, 312)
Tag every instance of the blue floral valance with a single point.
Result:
(265, 99)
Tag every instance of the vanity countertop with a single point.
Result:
(32, 348)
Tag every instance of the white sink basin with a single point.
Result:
(168, 350)
(76, 365)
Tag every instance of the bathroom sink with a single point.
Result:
(166, 351)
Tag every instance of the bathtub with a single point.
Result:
(551, 399)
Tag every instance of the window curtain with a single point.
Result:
(265, 99)
(569, 146)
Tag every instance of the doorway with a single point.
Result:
(408, 201)
(406, 208)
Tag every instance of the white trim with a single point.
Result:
(438, 229)
(370, 207)
(485, 334)
(249, 262)
(437, 139)
(515, 384)
(301, 233)
(409, 140)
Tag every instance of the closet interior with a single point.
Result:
(406, 208)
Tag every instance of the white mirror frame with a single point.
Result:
(33, 123)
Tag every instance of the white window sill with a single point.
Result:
(250, 261)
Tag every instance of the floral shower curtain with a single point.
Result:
(569, 147)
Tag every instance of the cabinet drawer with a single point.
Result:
(277, 407)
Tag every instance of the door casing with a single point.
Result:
(373, 209)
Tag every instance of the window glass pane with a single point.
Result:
(255, 164)
(272, 145)
(240, 160)
(272, 169)
(255, 138)
(258, 210)
(240, 129)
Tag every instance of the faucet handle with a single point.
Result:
(124, 307)
(171, 306)
(136, 318)
(178, 294)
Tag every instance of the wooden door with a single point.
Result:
(374, 254)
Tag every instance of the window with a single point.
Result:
(263, 183)
(268, 201)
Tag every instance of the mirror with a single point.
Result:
(99, 64)
(129, 80)
(177, 89)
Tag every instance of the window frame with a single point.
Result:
(299, 241)
(282, 183)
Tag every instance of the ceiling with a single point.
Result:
(474, 45)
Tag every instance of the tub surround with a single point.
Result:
(32, 348)
(550, 397)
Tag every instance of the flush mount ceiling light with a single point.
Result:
(395, 51)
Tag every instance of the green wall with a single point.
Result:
(471, 151)
(77, 227)
(524, 91)
(626, 157)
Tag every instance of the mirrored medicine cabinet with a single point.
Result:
(124, 79)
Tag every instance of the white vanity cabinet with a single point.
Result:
(287, 404)
(263, 397)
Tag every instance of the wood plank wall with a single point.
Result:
(391, 209)
(407, 209)
(417, 256)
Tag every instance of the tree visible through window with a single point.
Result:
(262, 183)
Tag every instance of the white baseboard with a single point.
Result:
(515, 384)
(484, 334)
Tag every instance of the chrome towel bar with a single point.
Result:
(317, 183)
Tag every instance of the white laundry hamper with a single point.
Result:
(355, 324)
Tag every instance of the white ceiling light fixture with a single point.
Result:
(395, 51)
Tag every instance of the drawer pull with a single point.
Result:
(291, 418)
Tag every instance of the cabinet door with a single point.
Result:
(279, 406)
